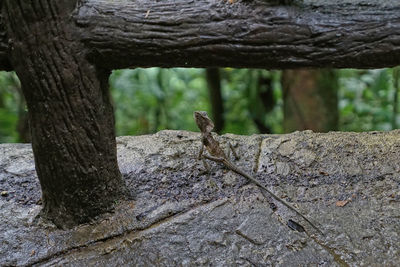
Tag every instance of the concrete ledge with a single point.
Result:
(347, 183)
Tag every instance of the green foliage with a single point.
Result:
(366, 100)
(243, 104)
(149, 100)
(9, 98)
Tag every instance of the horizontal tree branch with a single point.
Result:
(245, 33)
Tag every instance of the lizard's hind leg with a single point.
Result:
(205, 164)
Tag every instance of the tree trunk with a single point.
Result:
(217, 103)
(310, 100)
(70, 113)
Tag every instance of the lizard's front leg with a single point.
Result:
(201, 151)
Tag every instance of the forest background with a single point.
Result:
(253, 100)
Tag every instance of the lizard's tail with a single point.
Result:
(238, 171)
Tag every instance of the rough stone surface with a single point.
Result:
(347, 183)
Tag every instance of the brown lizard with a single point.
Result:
(206, 125)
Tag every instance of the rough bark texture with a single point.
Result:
(215, 33)
(347, 183)
(247, 33)
(310, 100)
(5, 63)
(71, 117)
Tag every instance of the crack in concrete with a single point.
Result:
(239, 233)
(257, 156)
(157, 222)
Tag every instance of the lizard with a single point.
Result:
(217, 154)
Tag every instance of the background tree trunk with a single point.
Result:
(310, 100)
(70, 113)
(217, 104)
(396, 86)
(265, 95)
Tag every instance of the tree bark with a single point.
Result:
(217, 104)
(5, 63)
(70, 113)
(310, 100)
(256, 34)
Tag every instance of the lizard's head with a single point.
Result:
(202, 120)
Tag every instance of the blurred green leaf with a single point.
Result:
(9, 98)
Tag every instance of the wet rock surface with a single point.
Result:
(346, 183)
